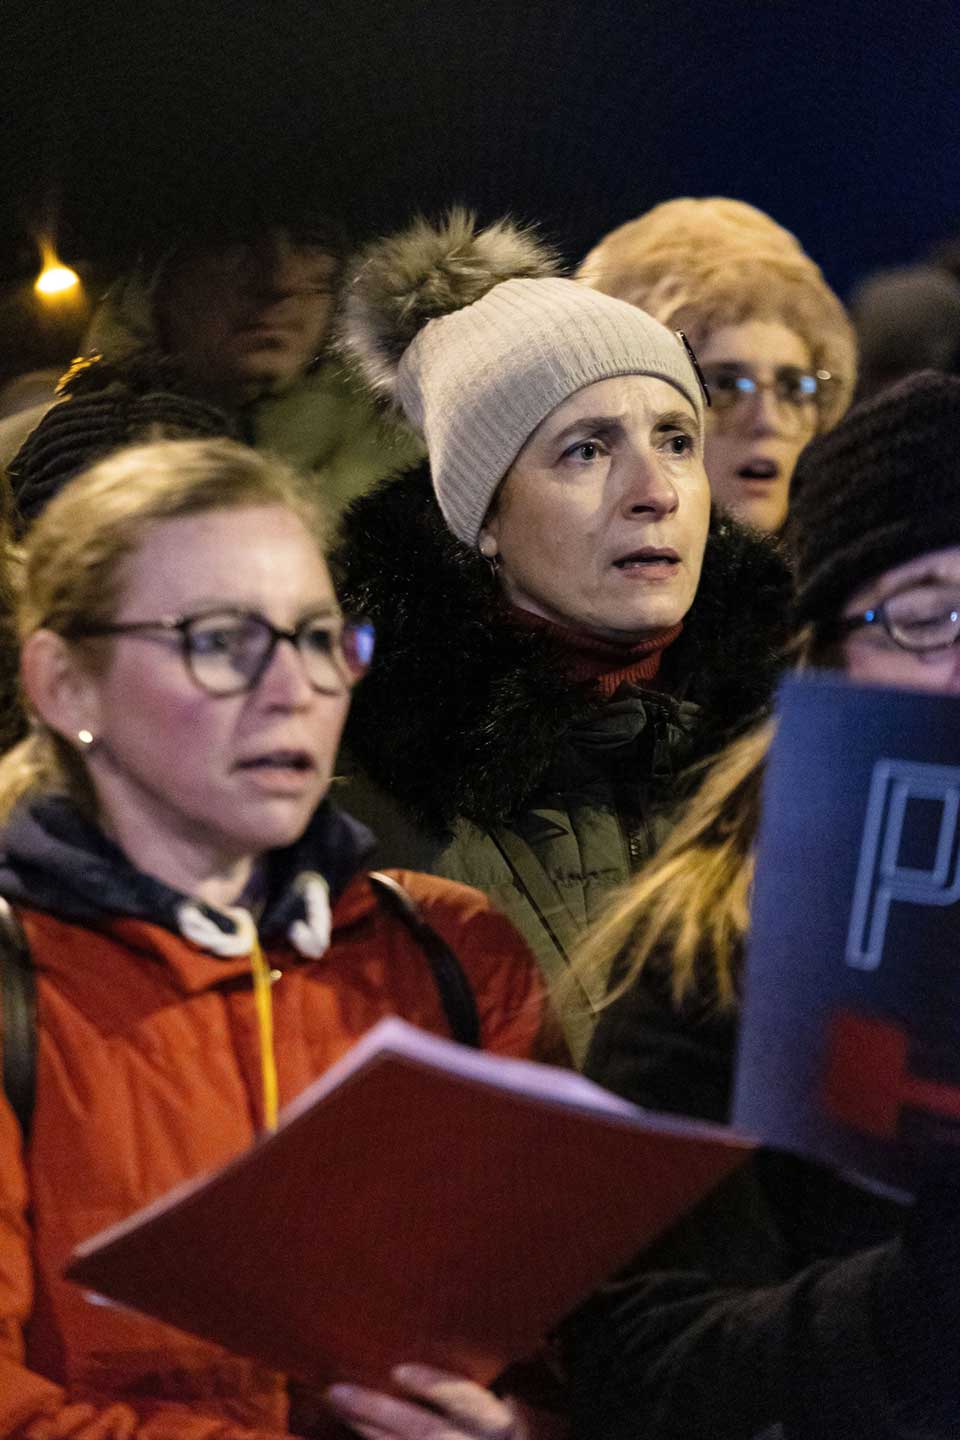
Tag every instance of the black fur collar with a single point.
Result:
(463, 711)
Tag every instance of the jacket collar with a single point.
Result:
(54, 859)
(464, 712)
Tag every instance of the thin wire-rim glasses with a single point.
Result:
(793, 386)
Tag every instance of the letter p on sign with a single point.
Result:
(881, 878)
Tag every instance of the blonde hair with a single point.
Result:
(688, 910)
(75, 559)
(693, 899)
(698, 265)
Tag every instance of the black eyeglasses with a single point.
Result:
(798, 390)
(227, 651)
(922, 621)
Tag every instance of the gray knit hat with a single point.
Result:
(476, 338)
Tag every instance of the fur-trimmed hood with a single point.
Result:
(464, 711)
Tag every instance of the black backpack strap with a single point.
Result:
(456, 995)
(18, 1018)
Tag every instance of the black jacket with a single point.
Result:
(789, 1302)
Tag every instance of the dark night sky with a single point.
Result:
(842, 119)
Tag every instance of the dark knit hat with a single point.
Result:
(104, 407)
(880, 489)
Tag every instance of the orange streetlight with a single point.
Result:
(55, 280)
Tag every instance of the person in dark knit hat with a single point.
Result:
(792, 1303)
(564, 627)
(878, 491)
(103, 408)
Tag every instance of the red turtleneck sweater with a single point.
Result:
(607, 663)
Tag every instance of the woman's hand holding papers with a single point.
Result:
(449, 1408)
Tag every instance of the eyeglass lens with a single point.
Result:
(925, 618)
(227, 653)
(731, 384)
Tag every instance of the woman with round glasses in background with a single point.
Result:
(205, 935)
(776, 349)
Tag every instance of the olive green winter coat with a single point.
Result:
(472, 754)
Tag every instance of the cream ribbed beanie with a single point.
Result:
(477, 359)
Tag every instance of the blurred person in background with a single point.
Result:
(12, 719)
(774, 344)
(245, 312)
(907, 319)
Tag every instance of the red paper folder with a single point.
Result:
(421, 1202)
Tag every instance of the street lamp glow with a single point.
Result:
(55, 279)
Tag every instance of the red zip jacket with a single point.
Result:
(149, 1073)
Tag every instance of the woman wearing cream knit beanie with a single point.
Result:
(475, 338)
(550, 656)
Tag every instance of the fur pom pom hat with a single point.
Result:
(476, 337)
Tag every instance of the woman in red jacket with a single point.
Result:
(202, 927)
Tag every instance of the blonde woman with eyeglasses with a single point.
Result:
(204, 933)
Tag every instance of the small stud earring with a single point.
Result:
(488, 549)
(85, 738)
